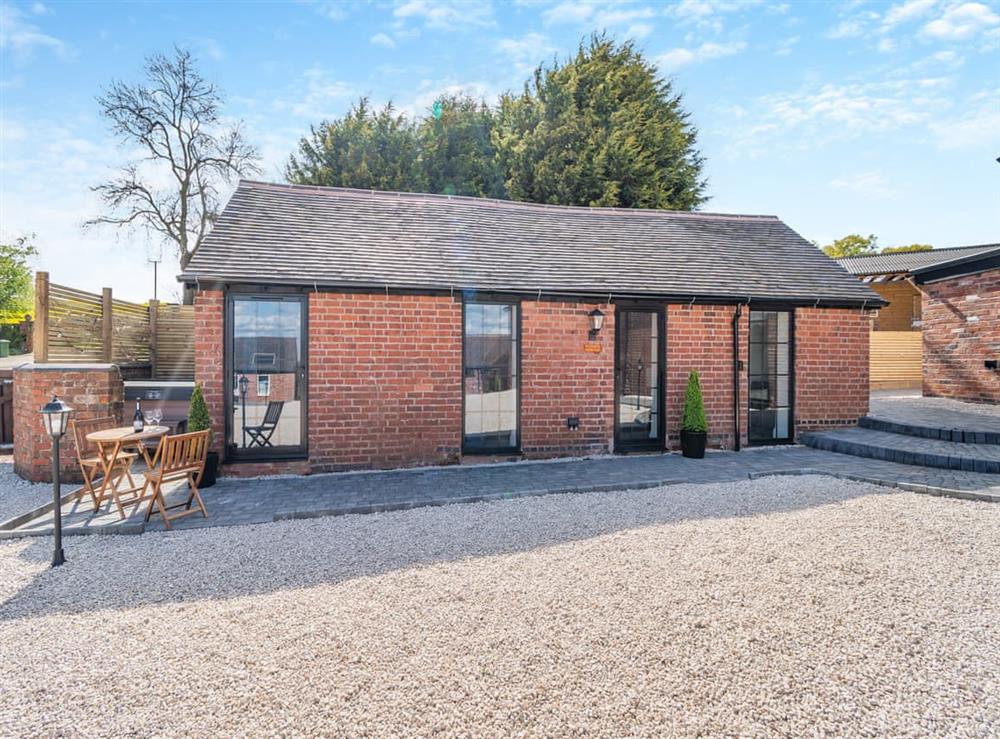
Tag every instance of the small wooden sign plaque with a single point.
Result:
(594, 347)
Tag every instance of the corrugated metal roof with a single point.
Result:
(881, 264)
(291, 234)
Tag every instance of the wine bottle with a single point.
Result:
(137, 418)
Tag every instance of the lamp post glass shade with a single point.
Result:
(55, 413)
(596, 319)
(244, 383)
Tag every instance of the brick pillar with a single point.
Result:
(208, 346)
(91, 390)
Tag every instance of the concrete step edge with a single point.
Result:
(938, 433)
(819, 440)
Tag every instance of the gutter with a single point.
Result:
(602, 296)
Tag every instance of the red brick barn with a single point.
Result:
(409, 329)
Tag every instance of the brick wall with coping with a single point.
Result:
(961, 327)
(560, 379)
(91, 390)
(831, 367)
(208, 358)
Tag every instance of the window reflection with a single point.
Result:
(490, 376)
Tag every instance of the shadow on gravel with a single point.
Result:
(120, 572)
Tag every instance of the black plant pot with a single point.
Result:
(211, 470)
(693, 444)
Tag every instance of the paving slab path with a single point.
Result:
(234, 501)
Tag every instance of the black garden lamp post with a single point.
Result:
(55, 414)
(596, 323)
(244, 383)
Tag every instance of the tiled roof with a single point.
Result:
(305, 235)
(881, 264)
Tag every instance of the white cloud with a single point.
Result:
(568, 12)
(602, 14)
(785, 46)
(814, 117)
(526, 52)
(384, 40)
(906, 11)
(677, 58)
(977, 127)
(316, 96)
(709, 13)
(850, 28)
(23, 37)
(445, 15)
(212, 48)
(961, 22)
(868, 184)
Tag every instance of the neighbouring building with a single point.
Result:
(940, 329)
(407, 329)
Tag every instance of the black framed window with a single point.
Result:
(490, 377)
(770, 374)
(266, 410)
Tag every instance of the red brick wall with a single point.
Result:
(208, 357)
(700, 337)
(831, 367)
(961, 326)
(91, 391)
(385, 384)
(560, 379)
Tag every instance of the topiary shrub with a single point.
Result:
(694, 406)
(198, 418)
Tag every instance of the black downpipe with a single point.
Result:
(736, 376)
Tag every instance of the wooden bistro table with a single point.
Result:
(110, 445)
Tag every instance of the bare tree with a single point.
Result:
(173, 116)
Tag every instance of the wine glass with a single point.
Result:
(157, 415)
(148, 414)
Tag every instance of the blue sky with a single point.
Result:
(870, 117)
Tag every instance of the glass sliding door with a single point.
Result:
(770, 376)
(265, 358)
(638, 377)
(490, 372)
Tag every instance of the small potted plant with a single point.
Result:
(694, 427)
(199, 420)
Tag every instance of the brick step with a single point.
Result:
(903, 449)
(959, 435)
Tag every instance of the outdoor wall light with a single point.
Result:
(55, 415)
(596, 322)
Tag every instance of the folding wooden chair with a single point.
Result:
(261, 435)
(180, 457)
(88, 454)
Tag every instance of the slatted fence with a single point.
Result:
(77, 326)
(895, 359)
(174, 347)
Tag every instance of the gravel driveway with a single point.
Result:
(789, 605)
(18, 496)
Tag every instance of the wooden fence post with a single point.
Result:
(107, 318)
(40, 340)
(154, 306)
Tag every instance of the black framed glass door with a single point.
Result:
(266, 410)
(639, 360)
(490, 378)
(770, 374)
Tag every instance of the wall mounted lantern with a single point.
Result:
(55, 415)
(596, 323)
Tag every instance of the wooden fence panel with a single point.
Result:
(74, 325)
(896, 359)
(130, 332)
(175, 342)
